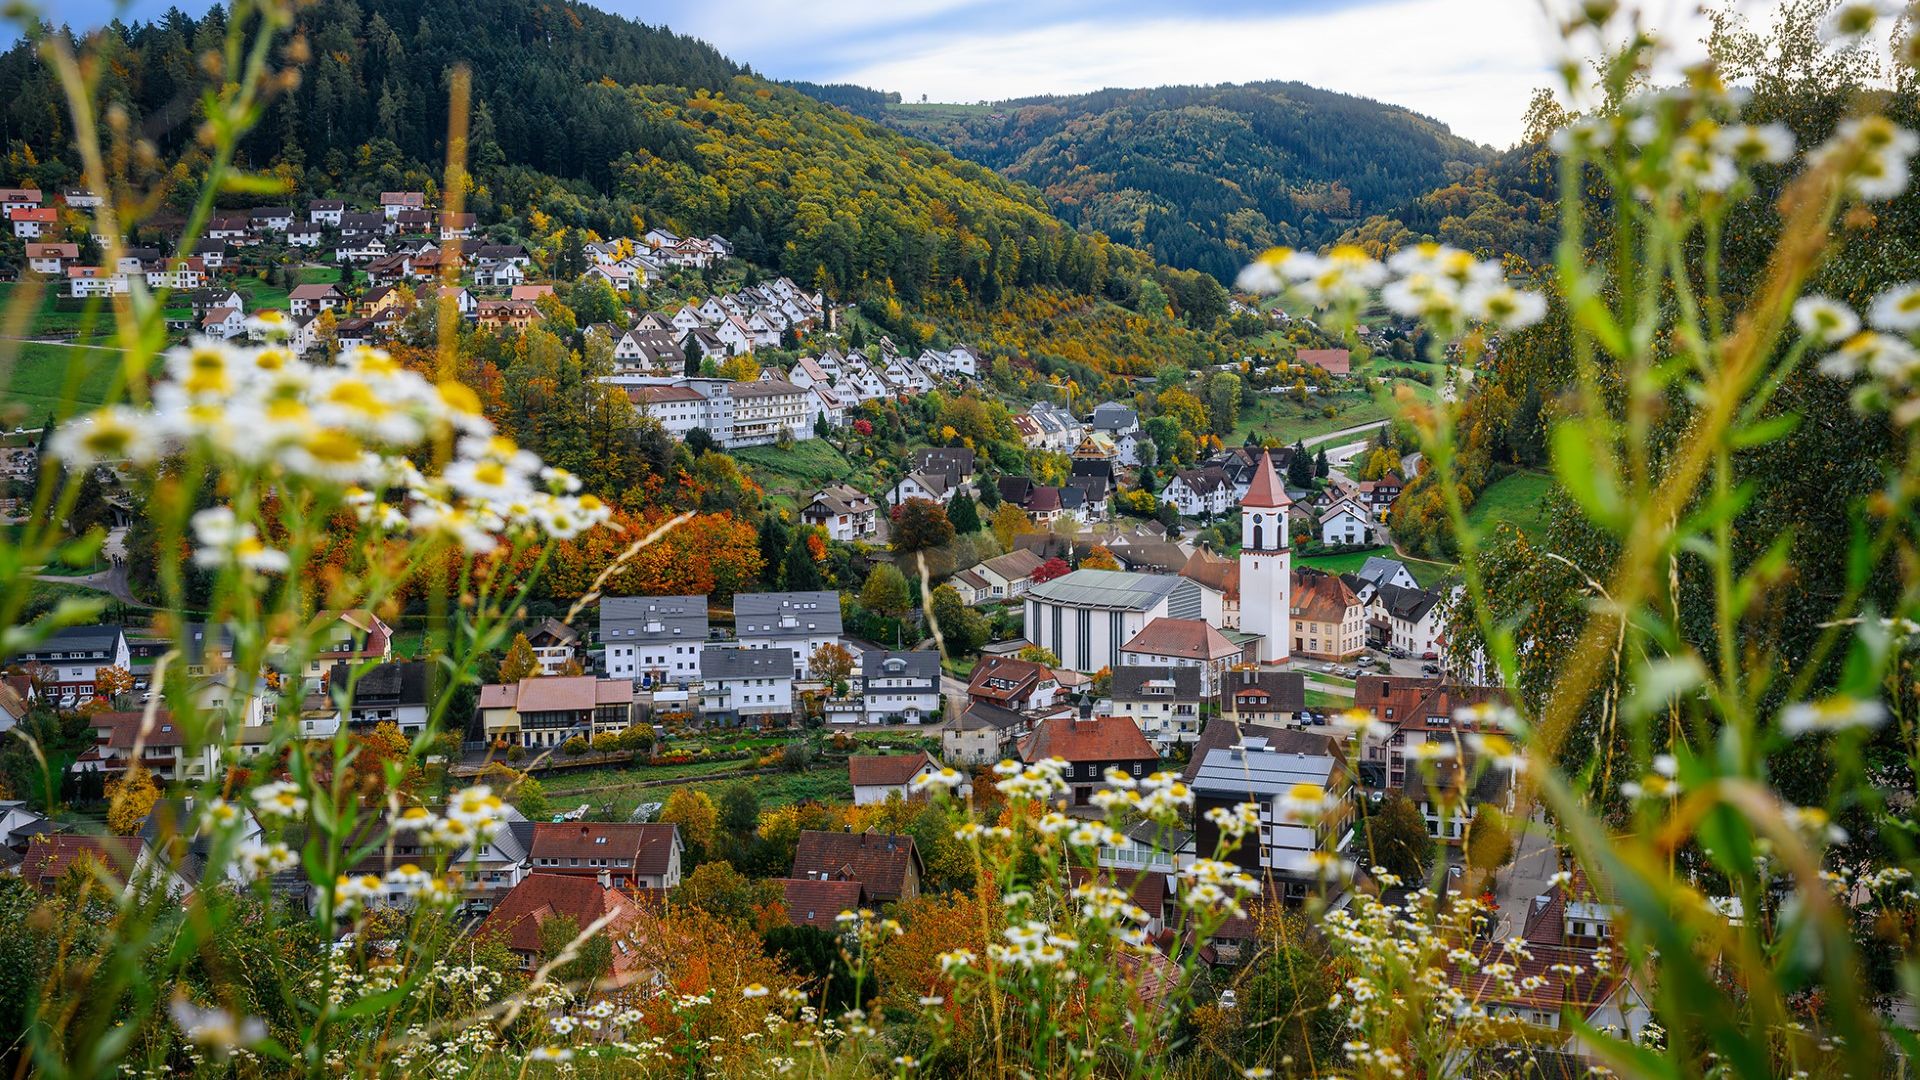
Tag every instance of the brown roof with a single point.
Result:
(649, 846)
(816, 903)
(123, 728)
(314, 292)
(57, 251)
(1553, 966)
(1418, 704)
(1094, 739)
(1005, 678)
(1321, 597)
(887, 770)
(647, 395)
(567, 693)
(1192, 639)
(49, 856)
(1219, 574)
(539, 897)
(1333, 361)
(880, 862)
(1266, 489)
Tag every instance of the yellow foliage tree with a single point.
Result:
(130, 800)
(694, 812)
(743, 368)
(1009, 521)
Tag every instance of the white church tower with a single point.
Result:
(1266, 564)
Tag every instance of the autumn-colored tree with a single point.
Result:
(1035, 654)
(697, 816)
(741, 368)
(696, 952)
(1184, 409)
(712, 555)
(519, 663)
(1052, 568)
(130, 799)
(832, 664)
(908, 966)
(886, 591)
(371, 754)
(724, 892)
(1100, 558)
(112, 681)
(919, 524)
(1009, 522)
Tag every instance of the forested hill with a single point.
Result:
(585, 120)
(1503, 207)
(1202, 177)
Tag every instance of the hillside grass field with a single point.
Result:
(1519, 499)
(45, 378)
(790, 476)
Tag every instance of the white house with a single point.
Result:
(900, 687)
(656, 639)
(679, 409)
(877, 778)
(1087, 616)
(742, 684)
(1345, 522)
(1199, 492)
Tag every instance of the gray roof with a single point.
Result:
(924, 666)
(746, 663)
(102, 639)
(1410, 605)
(652, 618)
(1109, 589)
(1286, 690)
(786, 614)
(985, 714)
(1113, 416)
(1379, 570)
(1129, 679)
(1233, 772)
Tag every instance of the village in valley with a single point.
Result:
(1121, 634)
(683, 573)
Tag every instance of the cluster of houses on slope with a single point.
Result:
(729, 324)
(818, 391)
(627, 265)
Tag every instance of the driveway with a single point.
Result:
(1534, 862)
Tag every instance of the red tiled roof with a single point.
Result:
(49, 856)
(886, 770)
(880, 862)
(561, 693)
(1266, 489)
(816, 903)
(539, 897)
(1097, 739)
(1220, 575)
(1321, 597)
(1005, 678)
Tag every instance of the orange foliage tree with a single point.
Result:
(707, 555)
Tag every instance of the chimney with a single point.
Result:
(584, 832)
(605, 879)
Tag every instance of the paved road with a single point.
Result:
(112, 581)
(1343, 433)
(1526, 877)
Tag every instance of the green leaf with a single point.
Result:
(1586, 476)
(1765, 431)
(1661, 681)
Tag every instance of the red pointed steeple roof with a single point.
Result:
(1266, 489)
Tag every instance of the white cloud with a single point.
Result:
(1470, 63)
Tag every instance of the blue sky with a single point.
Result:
(1469, 63)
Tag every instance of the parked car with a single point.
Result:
(1429, 655)
(1430, 669)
